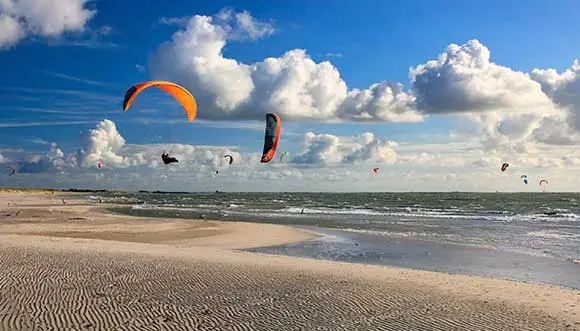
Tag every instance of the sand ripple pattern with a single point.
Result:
(42, 290)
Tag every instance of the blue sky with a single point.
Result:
(62, 83)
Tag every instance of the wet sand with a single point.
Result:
(74, 266)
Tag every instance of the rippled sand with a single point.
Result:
(73, 267)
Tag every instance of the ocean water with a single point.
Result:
(529, 236)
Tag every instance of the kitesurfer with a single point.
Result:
(168, 159)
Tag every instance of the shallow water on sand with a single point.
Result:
(524, 236)
(367, 248)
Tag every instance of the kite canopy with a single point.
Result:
(504, 167)
(543, 184)
(11, 170)
(177, 91)
(272, 136)
(230, 157)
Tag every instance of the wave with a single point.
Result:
(554, 234)
(145, 207)
(408, 234)
(327, 211)
(393, 212)
(206, 206)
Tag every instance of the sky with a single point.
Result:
(435, 95)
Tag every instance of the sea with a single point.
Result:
(532, 237)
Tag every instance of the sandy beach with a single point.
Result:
(76, 266)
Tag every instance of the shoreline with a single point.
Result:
(368, 248)
(78, 219)
(226, 287)
(451, 258)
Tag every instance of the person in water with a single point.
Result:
(168, 159)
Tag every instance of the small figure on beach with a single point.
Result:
(63, 202)
(302, 211)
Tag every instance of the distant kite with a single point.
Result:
(11, 171)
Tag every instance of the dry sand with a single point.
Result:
(65, 267)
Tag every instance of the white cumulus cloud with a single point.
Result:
(514, 110)
(45, 18)
(10, 31)
(323, 149)
(463, 79)
(564, 89)
(105, 144)
(293, 85)
(386, 101)
(54, 160)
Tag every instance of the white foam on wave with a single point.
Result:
(330, 211)
(554, 234)
(390, 233)
(206, 206)
(146, 206)
(436, 213)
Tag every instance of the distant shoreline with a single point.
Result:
(83, 190)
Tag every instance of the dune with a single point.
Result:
(76, 266)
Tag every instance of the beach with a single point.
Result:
(74, 265)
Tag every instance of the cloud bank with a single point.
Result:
(513, 110)
(292, 85)
(326, 163)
